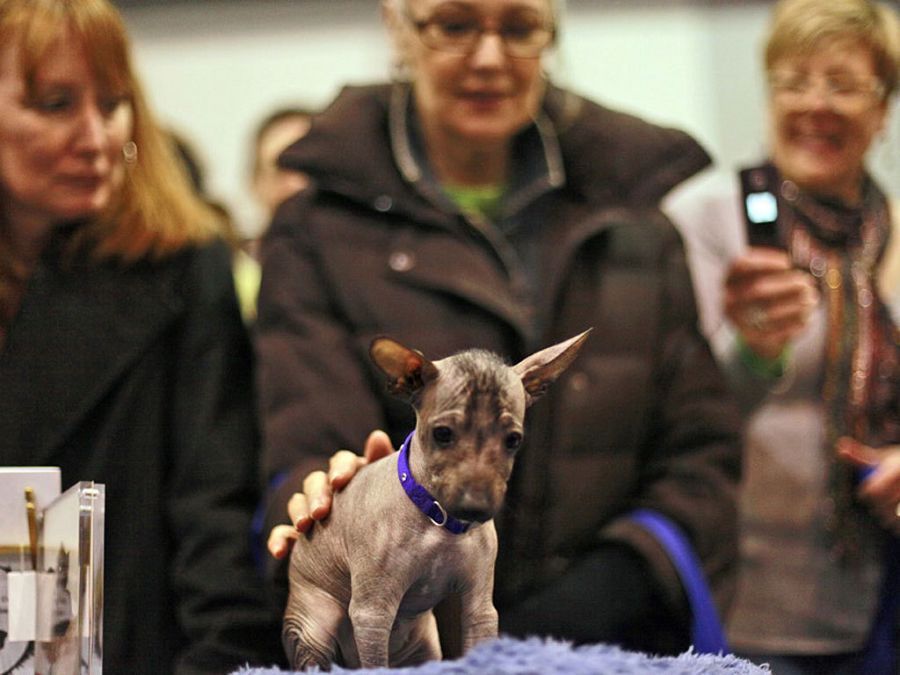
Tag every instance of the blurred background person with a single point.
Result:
(805, 324)
(123, 359)
(272, 184)
(473, 204)
(245, 268)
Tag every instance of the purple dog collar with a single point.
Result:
(420, 496)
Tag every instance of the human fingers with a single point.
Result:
(315, 501)
(281, 540)
(771, 307)
(880, 488)
(342, 466)
(881, 492)
(791, 286)
(298, 512)
(773, 323)
(756, 261)
(378, 445)
(788, 312)
(859, 455)
(767, 329)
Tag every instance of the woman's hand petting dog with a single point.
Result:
(314, 503)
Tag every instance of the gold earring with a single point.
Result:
(130, 152)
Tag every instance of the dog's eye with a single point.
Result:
(443, 436)
(513, 440)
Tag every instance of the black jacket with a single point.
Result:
(140, 378)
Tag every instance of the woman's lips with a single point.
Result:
(484, 93)
(484, 98)
(85, 181)
(818, 141)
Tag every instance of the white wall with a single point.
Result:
(214, 68)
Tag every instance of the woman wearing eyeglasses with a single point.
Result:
(473, 204)
(804, 321)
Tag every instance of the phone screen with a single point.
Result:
(760, 208)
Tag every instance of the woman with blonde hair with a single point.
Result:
(123, 359)
(801, 301)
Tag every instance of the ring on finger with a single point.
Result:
(755, 316)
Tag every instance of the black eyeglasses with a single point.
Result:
(458, 30)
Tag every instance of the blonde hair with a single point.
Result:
(155, 212)
(800, 27)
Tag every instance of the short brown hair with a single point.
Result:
(801, 26)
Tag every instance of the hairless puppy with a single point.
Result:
(412, 528)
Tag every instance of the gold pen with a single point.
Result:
(31, 512)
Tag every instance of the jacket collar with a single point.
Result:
(616, 159)
(539, 168)
(640, 161)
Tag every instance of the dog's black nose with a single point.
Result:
(473, 515)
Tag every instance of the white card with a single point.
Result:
(22, 591)
(32, 600)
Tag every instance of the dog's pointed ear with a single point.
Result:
(541, 369)
(407, 369)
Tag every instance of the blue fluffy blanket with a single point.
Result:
(507, 656)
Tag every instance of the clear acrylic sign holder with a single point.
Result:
(51, 603)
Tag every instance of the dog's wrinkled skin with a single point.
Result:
(364, 581)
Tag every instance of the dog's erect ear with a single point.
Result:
(407, 368)
(541, 369)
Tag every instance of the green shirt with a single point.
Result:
(482, 201)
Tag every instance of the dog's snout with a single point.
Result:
(476, 506)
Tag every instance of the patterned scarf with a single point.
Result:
(842, 248)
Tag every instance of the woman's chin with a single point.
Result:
(818, 175)
(487, 135)
(84, 210)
